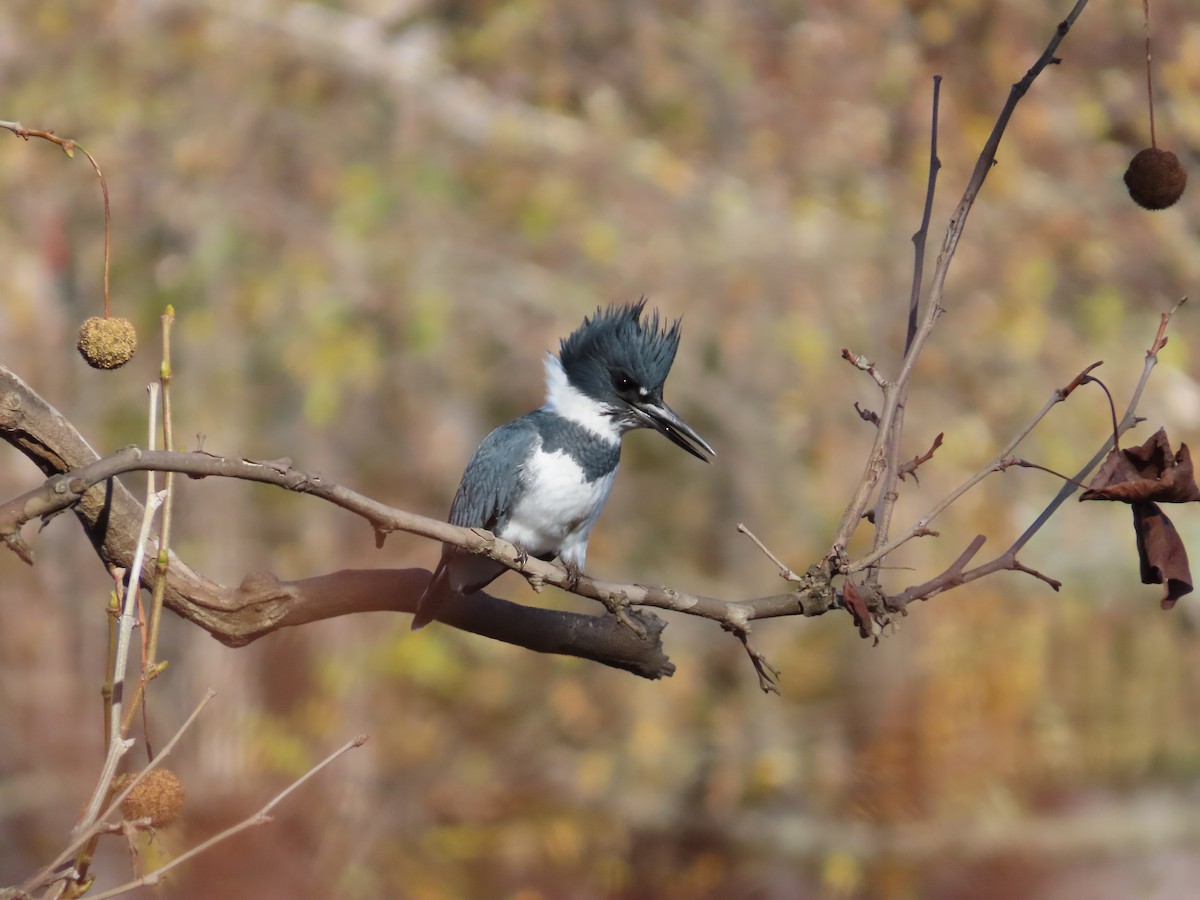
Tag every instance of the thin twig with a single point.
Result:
(997, 464)
(134, 587)
(1160, 339)
(768, 675)
(894, 393)
(164, 535)
(1007, 560)
(784, 571)
(139, 696)
(1149, 76)
(1112, 406)
(117, 745)
(69, 147)
(112, 613)
(910, 467)
(259, 818)
(864, 364)
(1127, 421)
(954, 577)
(64, 491)
(893, 473)
(1026, 464)
(922, 233)
(43, 877)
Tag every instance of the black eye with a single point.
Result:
(623, 382)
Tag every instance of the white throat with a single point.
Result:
(564, 400)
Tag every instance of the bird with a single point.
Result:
(541, 481)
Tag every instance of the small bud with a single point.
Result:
(158, 798)
(1155, 178)
(107, 343)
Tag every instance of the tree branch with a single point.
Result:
(262, 603)
(262, 817)
(955, 576)
(895, 390)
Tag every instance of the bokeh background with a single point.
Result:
(373, 217)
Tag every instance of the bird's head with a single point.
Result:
(620, 361)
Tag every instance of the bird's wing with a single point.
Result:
(484, 499)
(493, 477)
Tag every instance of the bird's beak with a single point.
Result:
(666, 421)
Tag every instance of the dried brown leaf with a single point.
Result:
(1161, 552)
(1146, 473)
(857, 607)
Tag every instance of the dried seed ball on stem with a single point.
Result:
(157, 798)
(1155, 178)
(107, 343)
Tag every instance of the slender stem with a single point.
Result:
(259, 818)
(164, 538)
(784, 571)
(117, 745)
(134, 581)
(888, 494)
(107, 225)
(1008, 559)
(107, 690)
(69, 147)
(894, 392)
(919, 239)
(1127, 421)
(86, 833)
(1149, 76)
(113, 614)
(921, 525)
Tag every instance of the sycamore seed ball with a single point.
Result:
(1155, 178)
(158, 798)
(107, 343)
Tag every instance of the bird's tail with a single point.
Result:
(437, 592)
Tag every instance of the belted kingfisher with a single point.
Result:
(540, 481)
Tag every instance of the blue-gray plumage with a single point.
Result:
(540, 481)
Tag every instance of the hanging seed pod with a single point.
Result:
(1155, 178)
(107, 343)
(157, 798)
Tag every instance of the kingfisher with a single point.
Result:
(540, 481)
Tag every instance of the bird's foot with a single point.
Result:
(574, 573)
(537, 582)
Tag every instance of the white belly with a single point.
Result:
(558, 508)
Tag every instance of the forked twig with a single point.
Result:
(118, 745)
(997, 464)
(259, 818)
(768, 675)
(894, 392)
(955, 577)
(910, 467)
(86, 833)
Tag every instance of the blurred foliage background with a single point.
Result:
(373, 217)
